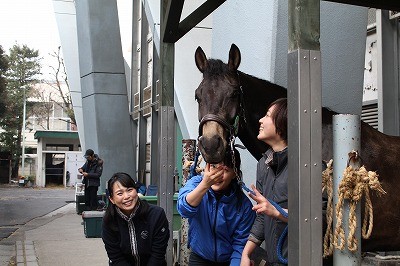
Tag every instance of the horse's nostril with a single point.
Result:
(211, 144)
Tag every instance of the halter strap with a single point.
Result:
(211, 117)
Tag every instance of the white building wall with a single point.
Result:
(259, 29)
(66, 21)
(370, 91)
(187, 76)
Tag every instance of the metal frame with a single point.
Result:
(387, 31)
(174, 30)
(142, 121)
(166, 126)
(385, 4)
(346, 131)
(167, 166)
(304, 183)
(304, 90)
(154, 164)
(134, 77)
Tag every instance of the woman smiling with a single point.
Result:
(134, 232)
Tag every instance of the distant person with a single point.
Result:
(134, 231)
(91, 171)
(220, 215)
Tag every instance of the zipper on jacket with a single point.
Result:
(273, 184)
(214, 232)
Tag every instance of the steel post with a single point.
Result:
(346, 137)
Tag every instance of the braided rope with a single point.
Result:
(338, 235)
(355, 184)
(328, 186)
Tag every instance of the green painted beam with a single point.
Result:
(304, 25)
(56, 134)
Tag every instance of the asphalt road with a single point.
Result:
(20, 205)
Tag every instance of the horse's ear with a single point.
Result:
(234, 57)
(201, 59)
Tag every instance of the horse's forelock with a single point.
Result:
(216, 68)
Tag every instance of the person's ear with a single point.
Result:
(109, 197)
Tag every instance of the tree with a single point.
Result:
(52, 95)
(22, 74)
(3, 69)
(60, 76)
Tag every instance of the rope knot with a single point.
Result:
(354, 184)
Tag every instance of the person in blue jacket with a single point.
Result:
(219, 213)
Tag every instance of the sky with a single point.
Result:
(30, 22)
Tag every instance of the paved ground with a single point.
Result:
(20, 205)
(58, 238)
(41, 227)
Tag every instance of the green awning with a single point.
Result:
(56, 134)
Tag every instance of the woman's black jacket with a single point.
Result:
(144, 242)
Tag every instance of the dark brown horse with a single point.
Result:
(231, 103)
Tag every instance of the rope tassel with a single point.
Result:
(354, 184)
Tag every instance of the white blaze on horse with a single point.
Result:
(230, 103)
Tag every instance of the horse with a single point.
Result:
(230, 104)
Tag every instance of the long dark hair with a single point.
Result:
(127, 181)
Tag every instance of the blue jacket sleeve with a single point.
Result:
(183, 207)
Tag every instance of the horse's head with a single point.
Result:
(218, 97)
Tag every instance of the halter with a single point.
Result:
(233, 131)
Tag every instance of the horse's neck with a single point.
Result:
(258, 94)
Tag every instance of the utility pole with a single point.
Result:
(23, 134)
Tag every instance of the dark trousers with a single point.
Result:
(196, 260)
(91, 198)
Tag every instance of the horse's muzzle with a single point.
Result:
(212, 149)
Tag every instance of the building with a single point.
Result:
(123, 89)
(49, 133)
(260, 33)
